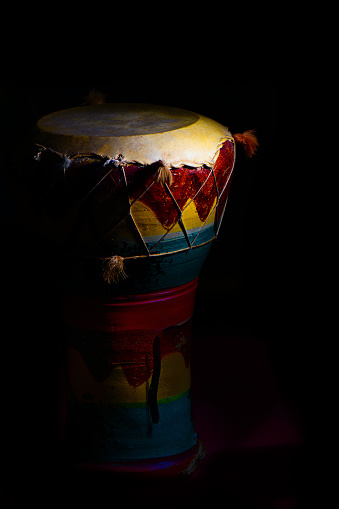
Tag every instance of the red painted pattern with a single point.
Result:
(223, 170)
(121, 331)
(169, 466)
(104, 196)
(188, 183)
(131, 350)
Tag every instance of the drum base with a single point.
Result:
(181, 465)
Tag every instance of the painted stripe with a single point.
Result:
(162, 272)
(109, 433)
(153, 311)
(143, 404)
(173, 236)
(162, 467)
(176, 241)
(128, 243)
(149, 225)
(144, 275)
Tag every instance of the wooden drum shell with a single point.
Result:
(102, 207)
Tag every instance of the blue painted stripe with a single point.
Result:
(108, 433)
(175, 241)
(161, 272)
(167, 243)
(146, 274)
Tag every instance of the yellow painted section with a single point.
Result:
(175, 378)
(149, 225)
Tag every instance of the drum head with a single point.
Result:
(111, 120)
(141, 133)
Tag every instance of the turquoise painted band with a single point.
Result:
(108, 433)
(144, 274)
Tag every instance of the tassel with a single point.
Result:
(248, 140)
(164, 175)
(113, 269)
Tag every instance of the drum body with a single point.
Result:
(128, 364)
(129, 248)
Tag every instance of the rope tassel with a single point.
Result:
(113, 269)
(163, 174)
(248, 140)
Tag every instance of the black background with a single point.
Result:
(247, 287)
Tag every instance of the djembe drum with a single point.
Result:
(131, 197)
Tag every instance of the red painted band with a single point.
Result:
(169, 466)
(153, 311)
